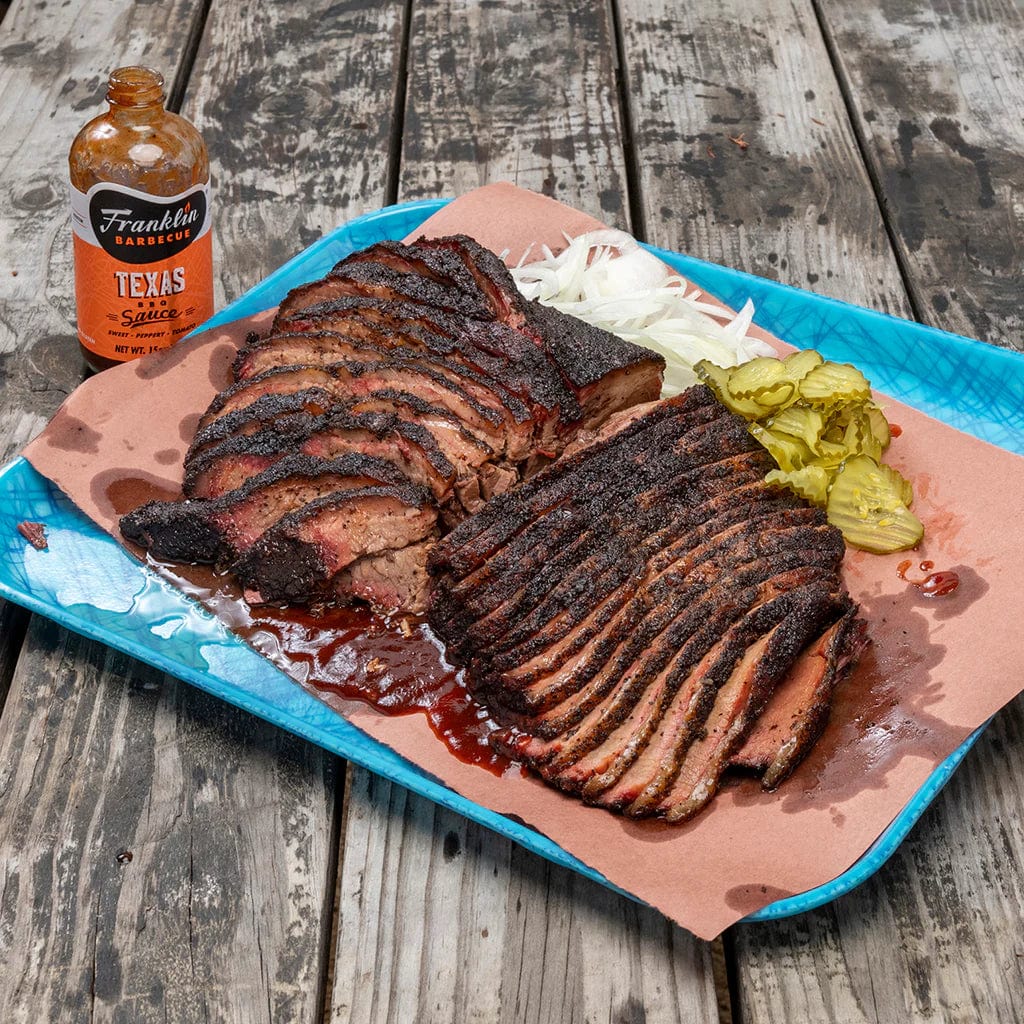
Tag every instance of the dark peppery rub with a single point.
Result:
(631, 613)
(420, 360)
(220, 529)
(300, 557)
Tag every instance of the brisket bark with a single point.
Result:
(420, 358)
(631, 612)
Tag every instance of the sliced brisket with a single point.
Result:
(299, 558)
(222, 528)
(426, 359)
(629, 612)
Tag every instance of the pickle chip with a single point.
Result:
(818, 422)
(811, 482)
(868, 503)
(789, 452)
(831, 383)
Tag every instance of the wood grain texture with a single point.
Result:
(223, 912)
(296, 103)
(442, 922)
(937, 91)
(212, 912)
(523, 91)
(744, 150)
(934, 937)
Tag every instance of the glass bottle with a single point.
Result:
(140, 216)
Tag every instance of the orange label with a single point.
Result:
(143, 268)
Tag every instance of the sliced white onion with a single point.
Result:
(605, 278)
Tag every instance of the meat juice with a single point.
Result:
(140, 219)
(342, 655)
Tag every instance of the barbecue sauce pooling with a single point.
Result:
(352, 654)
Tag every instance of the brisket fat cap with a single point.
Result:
(637, 689)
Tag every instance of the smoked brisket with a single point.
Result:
(631, 613)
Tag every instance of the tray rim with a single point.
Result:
(261, 297)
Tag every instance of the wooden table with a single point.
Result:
(865, 150)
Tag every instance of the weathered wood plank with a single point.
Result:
(937, 91)
(224, 909)
(442, 921)
(935, 936)
(744, 150)
(213, 911)
(298, 122)
(521, 91)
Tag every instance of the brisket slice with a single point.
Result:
(628, 613)
(503, 424)
(395, 580)
(605, 373)
(490, 352)
(312, 348)
(379, 281)
(221, 529)
(439, 265)
(299, 558)
(429, 326)
(410, 447)
(488, 271)
(260, 414)
(798, 710)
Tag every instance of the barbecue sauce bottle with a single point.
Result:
(140, 216)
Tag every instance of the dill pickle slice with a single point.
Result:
(830, 454)
(788, 452)
(879, 424)
(798, 364)
(810, 483)
(832, 383)
(868, 503)
(800, 421)
(758, 376)
(717, 378)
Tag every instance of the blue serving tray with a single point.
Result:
(86, 582)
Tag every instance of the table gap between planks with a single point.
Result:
(863, 154)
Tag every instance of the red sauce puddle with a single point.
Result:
(345, 655)
(935, 584)
(341, 655)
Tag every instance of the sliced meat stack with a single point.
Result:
(646, 612)
(387, 401)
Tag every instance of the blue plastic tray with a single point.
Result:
(86, 582)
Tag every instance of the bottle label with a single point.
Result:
(143, 268)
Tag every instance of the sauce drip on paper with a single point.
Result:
(934, 584)
(350, 654)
